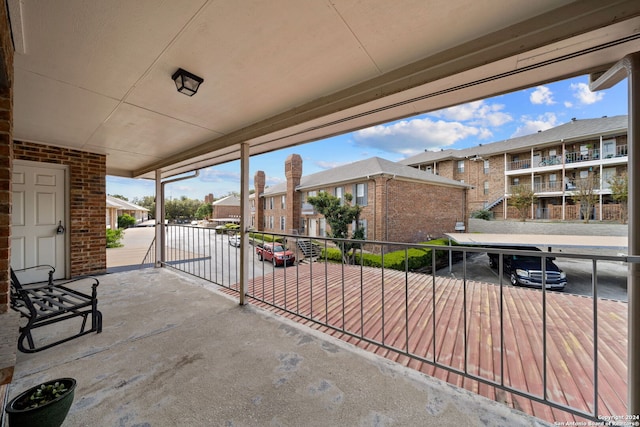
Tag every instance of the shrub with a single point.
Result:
(126, 221)
(114, 237)
(482, 214)
(416, 258)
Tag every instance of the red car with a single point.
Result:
(276, 253)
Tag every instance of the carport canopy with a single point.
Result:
(540, 240)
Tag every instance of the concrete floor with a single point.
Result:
(175, 351)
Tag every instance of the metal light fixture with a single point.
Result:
(186, 82)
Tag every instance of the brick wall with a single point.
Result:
(226, 212)
(87, 202)
(276, 212)
(6, 155)
(417, 211)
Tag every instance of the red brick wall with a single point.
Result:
(416, 211)
(226, 212)
(6, 155)
(87, 202)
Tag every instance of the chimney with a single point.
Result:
(293, 173)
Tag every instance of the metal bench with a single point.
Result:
(44, 303)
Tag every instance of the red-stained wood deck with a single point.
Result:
(397, 309)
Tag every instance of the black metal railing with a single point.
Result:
(400, 297)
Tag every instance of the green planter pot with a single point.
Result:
(51, 414)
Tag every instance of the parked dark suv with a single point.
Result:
(526, 270)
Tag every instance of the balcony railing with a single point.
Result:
(570, 157)
(499, 337)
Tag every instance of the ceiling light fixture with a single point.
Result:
(186, 82)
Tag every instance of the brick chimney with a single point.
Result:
(293, 173)
(258, 184)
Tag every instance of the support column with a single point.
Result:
(629, 67)
(245, 220)
(160, 229)
(633, 282)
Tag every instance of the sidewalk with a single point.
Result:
(136, 243)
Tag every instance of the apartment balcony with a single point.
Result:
(571, 159)
(528, 349)
(175, 351)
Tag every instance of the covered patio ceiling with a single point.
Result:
(96, 75)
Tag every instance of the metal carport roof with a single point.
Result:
(540, 240)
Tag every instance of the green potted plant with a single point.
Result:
(45, 405)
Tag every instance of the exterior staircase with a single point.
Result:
(308, 248)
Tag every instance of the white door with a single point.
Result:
(313, 227)
(38, 211)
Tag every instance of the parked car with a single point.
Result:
(234, 241)
(526, 270)
(276, 253)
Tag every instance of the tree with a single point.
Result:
(522, 198)
(182, 208)
(119, 196)
(148, 202)
(340, 216)
(585, 195)
(204, 211)
(619, 185)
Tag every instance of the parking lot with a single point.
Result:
(612, 276)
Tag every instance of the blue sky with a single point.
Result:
(493, 119)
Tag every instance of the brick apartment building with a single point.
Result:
(399, 203)
(552, 162)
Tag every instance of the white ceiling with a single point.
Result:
(96, 75)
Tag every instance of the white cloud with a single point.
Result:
(477, 113)
(213, 175)
(584, 95)
(568, 104)
(542, 95)
(323, 164)
(273, 180)
(409, 137)
(533, 125)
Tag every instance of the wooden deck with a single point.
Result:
(397, 309)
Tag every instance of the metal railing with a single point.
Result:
(403, 301)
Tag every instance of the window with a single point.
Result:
(340, 194)
(323, 227)
(282, 223)
(486, 167)
(311, 194)
(553, 184)
(486, 187)
(516, 181)
(303, 224)
(360, 191)
(362, 224)
(607, 174)
(428, 169)
(552, 153)
(270, 202)
(609, 148)
(584, 174)
(271, 222)
(282, 201)
(460, 166)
